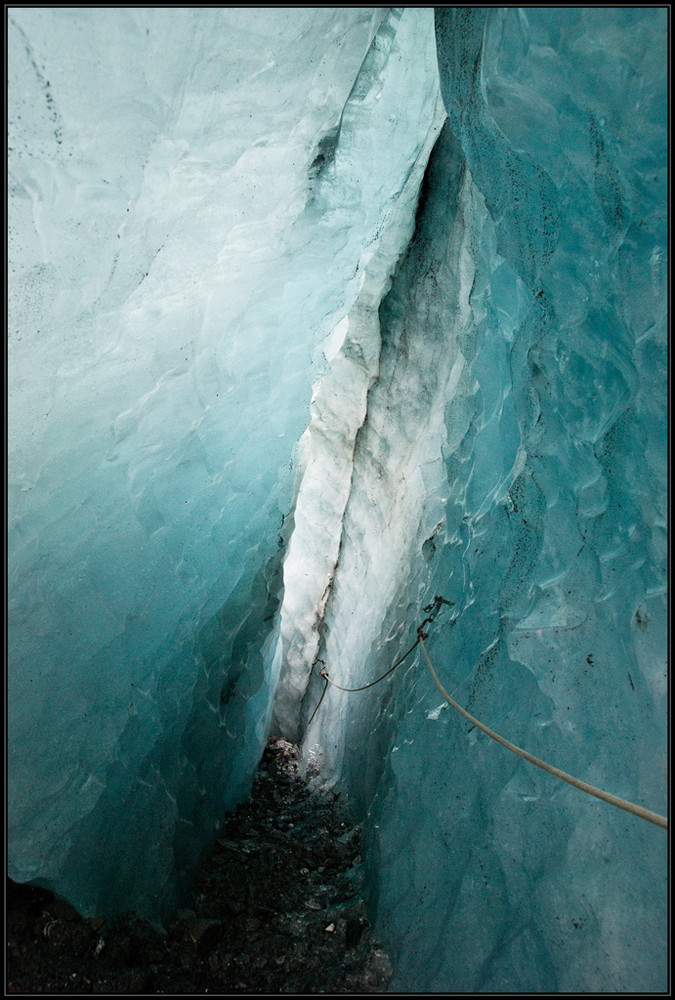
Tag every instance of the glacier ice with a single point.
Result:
(514, 460)
(197, 197)
(275, 382)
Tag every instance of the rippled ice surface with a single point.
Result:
(274, 384)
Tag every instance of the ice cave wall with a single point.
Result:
(513, 459)
(209, 216)
(198, 199)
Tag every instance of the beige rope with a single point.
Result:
(647, 814)
(584, 786)
(365, 686)
(372, 683)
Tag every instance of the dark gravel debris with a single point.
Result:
(277, 908)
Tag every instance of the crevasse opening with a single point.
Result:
(316, 314)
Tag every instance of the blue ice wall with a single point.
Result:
(195, 196)
(543, 518)
(202, 203)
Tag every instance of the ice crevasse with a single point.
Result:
(314, 314)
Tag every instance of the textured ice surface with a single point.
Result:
(197, 197)
(249, 429)
(352, 351)
(514, 460)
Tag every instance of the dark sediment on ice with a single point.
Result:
(277, 909)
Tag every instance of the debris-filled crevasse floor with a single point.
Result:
(277, 909)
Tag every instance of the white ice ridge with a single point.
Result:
(340, 395)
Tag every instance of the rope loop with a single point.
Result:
(433, 609)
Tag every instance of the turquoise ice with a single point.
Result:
(315, 314)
